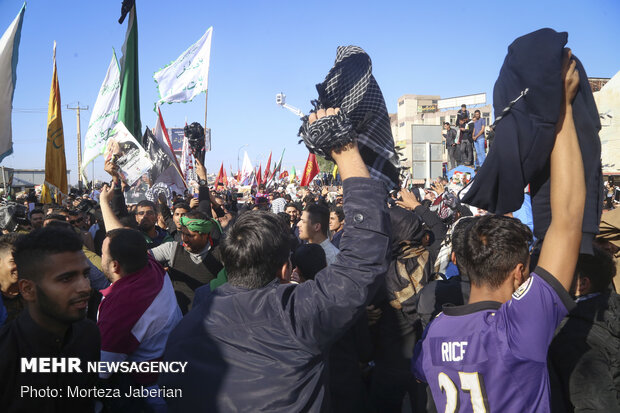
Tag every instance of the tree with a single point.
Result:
(324, 164)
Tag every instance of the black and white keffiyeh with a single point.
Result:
(350, 86)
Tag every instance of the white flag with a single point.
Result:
(186, 160)
(104, 115)
(246, 169)
(9, 45)
(187, 76)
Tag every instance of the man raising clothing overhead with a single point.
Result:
(257, 345)
(468, 351)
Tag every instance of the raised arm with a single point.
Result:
(109, 219)
(321, 309)
(560, 248)
(117, 200)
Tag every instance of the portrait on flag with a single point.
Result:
(125, 152)
(157, 155)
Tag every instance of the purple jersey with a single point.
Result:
(492, 357)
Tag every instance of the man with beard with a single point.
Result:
(36, 218)
(53, 281)
(146, 217)
(10, 299)
(195, 261)
(293, 212)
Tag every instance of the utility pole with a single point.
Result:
(79, 143)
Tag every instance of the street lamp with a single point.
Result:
(241, 147)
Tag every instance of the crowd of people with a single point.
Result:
(343, 298)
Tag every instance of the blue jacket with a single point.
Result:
(266, 349)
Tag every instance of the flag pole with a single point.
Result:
(206, 99)
(160, 121)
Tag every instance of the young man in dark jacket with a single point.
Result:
(257, 345)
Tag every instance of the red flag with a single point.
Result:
(224, 177)
(283, 175)
(310, 171)
(267, 168)
(162, 125)
(259, 175)
(219, 176)
(238, 176)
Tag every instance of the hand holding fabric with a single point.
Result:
(409, 201)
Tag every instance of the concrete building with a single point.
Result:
(430, 110)
(608, 103)
(20, 179)
(597, 83)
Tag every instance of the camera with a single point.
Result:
(12, 215)
(196, 138)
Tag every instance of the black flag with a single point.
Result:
(161, 161)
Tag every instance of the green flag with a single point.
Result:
(129, 110)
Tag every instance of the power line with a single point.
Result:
(33, 110)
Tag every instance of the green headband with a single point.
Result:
(203, 226)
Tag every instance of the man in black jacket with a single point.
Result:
(466, 144)
(584, 357)
(257, 345)
(451, 147)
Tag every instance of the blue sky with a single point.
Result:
(261, 48)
